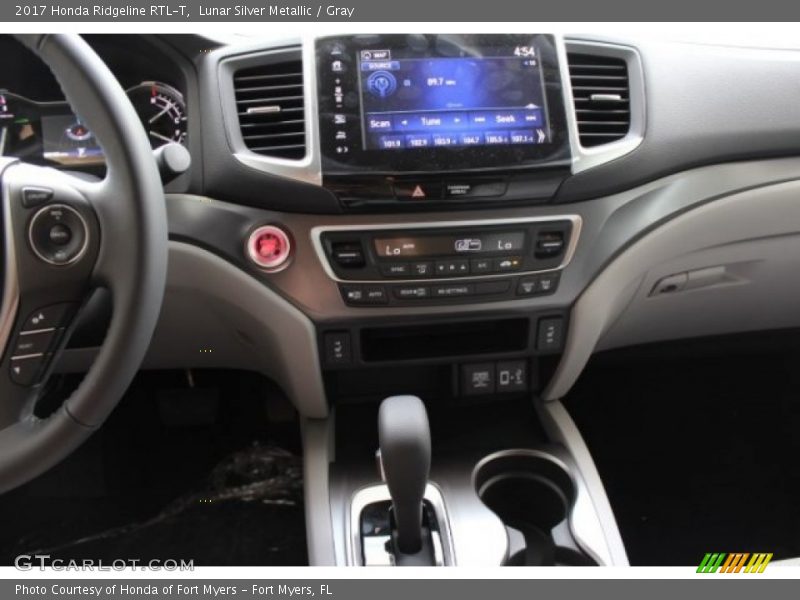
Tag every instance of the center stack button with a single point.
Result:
(418, 190)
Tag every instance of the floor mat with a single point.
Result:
(698, 453)
(225, 488)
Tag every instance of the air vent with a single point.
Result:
(601, 93)
(269, 101)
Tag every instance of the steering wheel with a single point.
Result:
(62, 237)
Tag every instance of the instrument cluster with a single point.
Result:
(49, 132)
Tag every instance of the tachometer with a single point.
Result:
(162, 111)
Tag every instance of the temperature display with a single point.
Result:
(449, 245)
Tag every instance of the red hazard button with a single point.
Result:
(418, 190)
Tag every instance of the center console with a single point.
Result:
(432, 264)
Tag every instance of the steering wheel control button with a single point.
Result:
(24, 371)
(58, 234)
(269, 247)
(477, 379)
(364, 295)
(338, 348)
(33, 343)
(35, 196)
(512, 376)
(49, 317)
(550, 335)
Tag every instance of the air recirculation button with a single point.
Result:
(58, 234)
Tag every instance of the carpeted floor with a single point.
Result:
(195, 473)
(698, 449)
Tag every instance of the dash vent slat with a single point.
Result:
(271, 108)
(601, 93)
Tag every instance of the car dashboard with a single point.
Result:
(459, 217)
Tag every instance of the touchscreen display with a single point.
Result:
(462, 101)
(432, 103)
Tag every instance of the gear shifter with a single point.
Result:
(405, 449)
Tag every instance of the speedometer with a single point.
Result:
(162, 111)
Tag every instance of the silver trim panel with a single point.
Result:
(380, 493)
(593, 525)
(35, 331)
(27, 356)
(307, 169)
(316, 241)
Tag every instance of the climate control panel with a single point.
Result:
(469, 261)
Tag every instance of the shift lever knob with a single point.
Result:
(404, 437)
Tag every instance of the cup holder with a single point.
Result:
(532, 493)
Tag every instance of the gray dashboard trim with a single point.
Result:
(593, 521)
(318, 453)
(745, 215)
(277, 338)
(706, 104)
(316, 240)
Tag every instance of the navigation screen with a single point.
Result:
(431, 103)
(68, 141)
(461, 101)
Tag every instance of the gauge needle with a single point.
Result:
(159, 136)
(159, 115)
